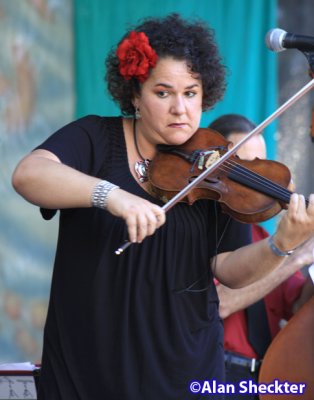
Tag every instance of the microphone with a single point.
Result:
(279, 40)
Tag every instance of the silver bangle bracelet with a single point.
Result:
(276, 250)
(101, 192)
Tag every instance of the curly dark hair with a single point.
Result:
(174, 37)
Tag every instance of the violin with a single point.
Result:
(249, 191)
(269, 179)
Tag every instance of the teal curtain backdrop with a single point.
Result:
(240, 27)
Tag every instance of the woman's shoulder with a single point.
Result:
(97, 122)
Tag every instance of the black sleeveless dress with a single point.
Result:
(142, 325)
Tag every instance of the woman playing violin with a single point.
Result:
(145, 324)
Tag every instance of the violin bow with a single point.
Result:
(180, 195)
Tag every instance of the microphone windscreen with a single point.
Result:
(274, 39)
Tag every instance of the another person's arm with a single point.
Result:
(232, 300)
(250, 263)
(306, 293)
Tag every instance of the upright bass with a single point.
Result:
(290, 356)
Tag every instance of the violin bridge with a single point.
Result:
(202, 158)
(212, 158)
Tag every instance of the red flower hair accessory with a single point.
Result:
(136, 56)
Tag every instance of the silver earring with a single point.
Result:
(137, 114)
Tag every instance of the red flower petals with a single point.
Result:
(136, 56)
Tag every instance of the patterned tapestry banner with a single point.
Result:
(36, 98)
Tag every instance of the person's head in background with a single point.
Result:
(235, 127)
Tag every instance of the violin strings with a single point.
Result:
(274, 189)
(246, 173)
(254, 177)
(278, 191)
